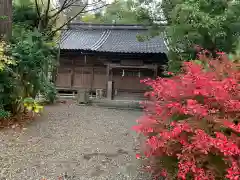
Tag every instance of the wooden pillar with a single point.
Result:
(155, 71)
(92, 80)
(107, 72)
(107, 77)
(111, 74)
(109, 83)
(110, 90)
(85, 59)
(72, 73)
(55, 68)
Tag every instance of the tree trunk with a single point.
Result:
(5, 18)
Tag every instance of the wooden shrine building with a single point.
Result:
(108, 58)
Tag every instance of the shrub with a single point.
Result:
(32, 105)
(12, 99)
(191, 125)
(4, 114)
(50, 92)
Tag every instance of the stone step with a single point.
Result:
(119, 104)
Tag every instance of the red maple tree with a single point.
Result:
(191, 123)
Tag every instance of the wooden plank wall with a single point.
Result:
(81, 73)
(91, 74)
(64, 77)
(128, 83)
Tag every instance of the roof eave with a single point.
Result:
(129, 52)
(77, 25)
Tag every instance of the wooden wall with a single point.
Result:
(81, 72)
(90, 73)
(131, 79)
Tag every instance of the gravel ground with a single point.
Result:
(85, 142)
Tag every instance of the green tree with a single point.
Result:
(25, 14)
(15, 93)
(49, 17)
(119, 12)
(25, 62)
(212, 24)
(33, 56)
(91, 18)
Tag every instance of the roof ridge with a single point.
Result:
(105, 24)
(108, 26)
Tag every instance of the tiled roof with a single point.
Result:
(109, 38)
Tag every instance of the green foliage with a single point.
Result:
(119, 12)
(3, 17)
(25, 14)
(32, 105)
(24, 75)
(209, 24)
(212, 24)
(235, 56)
(4, 114)
(33, 14)
(92, 18)
(25, 63)
(4, 59)
(175, 61)
(51, 94)
(50, 16)
(49, 91)
(7, 79)
(34, 57)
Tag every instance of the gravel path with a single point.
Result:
(86, 142)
